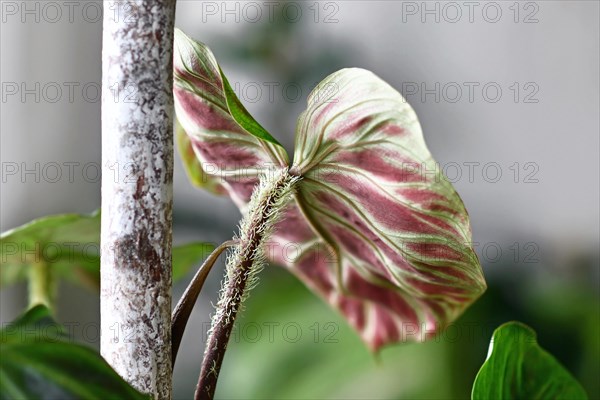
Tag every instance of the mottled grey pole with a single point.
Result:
(137, 191)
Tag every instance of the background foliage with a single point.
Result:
(557, 295)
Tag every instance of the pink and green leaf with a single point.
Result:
(233, 149)
(394, 236)
(193, 166)
(374, 228)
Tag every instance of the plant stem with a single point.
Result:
(41, 285)
(184, 308)
(137, 192)
(268, 201)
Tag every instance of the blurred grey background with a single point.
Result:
(508, 97)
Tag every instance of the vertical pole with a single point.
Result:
(137, 191)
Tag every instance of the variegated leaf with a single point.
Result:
(377, 230)
(374, 227)
(193, 166)
(233, 149)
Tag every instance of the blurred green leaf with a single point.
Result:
(310, 352)
(187, 256)
(39, 361)
(304, 368)
(517, 368)
(36, 319)
(70, 244)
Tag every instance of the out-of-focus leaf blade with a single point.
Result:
(231, 146)
(518, 368)
(187, 256)
(303, 338)
(67, 242)
(375, 230)
(36, 319)
(39, 361)
(70, 245)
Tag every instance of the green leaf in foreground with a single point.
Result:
(39, 361)
(70, 245)
(518, 368)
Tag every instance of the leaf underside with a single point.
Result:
(381, 236)
(233, 149)
(375, 229)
